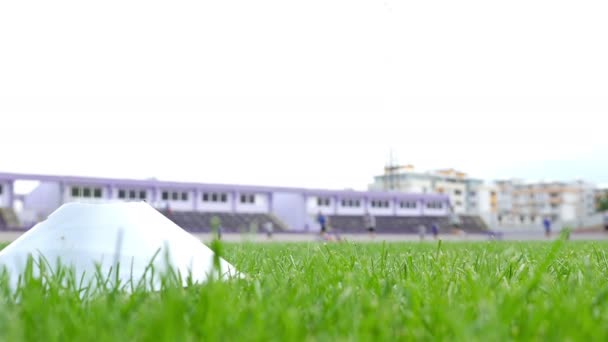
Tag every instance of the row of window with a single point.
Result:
(380, 204)
(78, 191)
(132, 194)
(532, 218)
(323, 202)
(434, 205)
(408, 205)
(86, 192)
(174, 195)
(250, 199)
(543, 195)
(351, 203)
(215, 197)
(223, 198)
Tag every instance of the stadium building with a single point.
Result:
(239, 207)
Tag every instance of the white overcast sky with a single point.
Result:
(304, 93)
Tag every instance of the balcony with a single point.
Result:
(556, 200)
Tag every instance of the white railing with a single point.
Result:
(584, 222)
(589, 221)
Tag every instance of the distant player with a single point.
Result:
(435, 230)
(547, 225)
(322, 220)
(606, 221)
(268, 227)
(370, 224)
(421, 232)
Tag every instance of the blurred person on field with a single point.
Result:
(322, 220)
(547, 226)
(370, 224)
(216, 226)
(435, 230)
(269, 228)
(421, 232)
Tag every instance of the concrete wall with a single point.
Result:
(420, 186)
(473, 198)
(568, 212)
(43, 200)
(4, 195)
(589, 201)
(483, 201)
(291, 209)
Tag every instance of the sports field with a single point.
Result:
(465, 291)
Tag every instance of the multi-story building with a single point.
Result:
(521, 203)
(487, 203)
(464, 192)
(500, 203)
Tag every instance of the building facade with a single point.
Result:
(524, 203)
(466, 194)
(295, 207)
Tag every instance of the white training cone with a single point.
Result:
(94, 238)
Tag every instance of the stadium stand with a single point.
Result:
(8, 218)
(472, 224)
(405, 224)
(198, 222)
(2, 223)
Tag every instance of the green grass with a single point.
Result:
(485, 291)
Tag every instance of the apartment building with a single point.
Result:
(466, 194)
(524, 203)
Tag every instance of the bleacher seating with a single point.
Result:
(405, 224)
(199, 222)
(8, 218)
(472, 224)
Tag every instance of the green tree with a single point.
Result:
(603, 203)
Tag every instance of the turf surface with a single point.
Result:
(485, 291)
